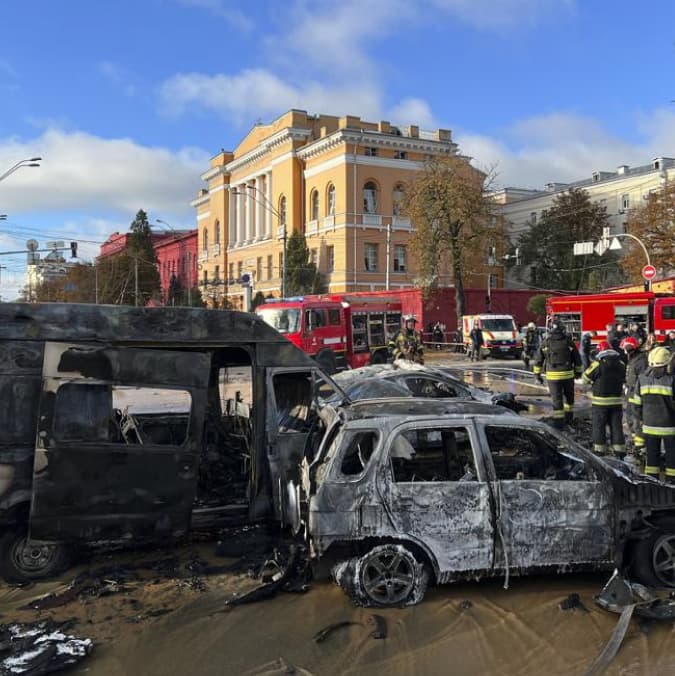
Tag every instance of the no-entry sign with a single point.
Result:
(648, 272)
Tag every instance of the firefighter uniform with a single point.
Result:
(655, 401)
(607, 376)
(407, 343)
(559, 359)
(637, 364)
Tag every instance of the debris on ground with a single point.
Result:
(380, 624)
(324, 633)
(39, 648)
(619, 593)
(573, 602)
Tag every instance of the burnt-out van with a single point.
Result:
(128, 425)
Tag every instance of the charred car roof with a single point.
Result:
(376, 408)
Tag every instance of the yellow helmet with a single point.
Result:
(658, 356)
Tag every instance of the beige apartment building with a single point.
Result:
(339, 180)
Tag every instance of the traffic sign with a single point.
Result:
(648, 272)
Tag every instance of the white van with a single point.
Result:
(500, 334)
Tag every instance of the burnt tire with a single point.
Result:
(654, 560)
(390, 575)
(24, 562)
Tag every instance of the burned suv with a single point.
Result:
(404, 492)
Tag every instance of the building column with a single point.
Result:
(259, 195)
(241, 212)
(269, 212)
(231, 215)
(249, 212)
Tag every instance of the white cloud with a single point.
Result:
(413, 111)
(502, 14)
(84, 172)
(565, 147)
(252, 94)
(224, 9)
(118, 76)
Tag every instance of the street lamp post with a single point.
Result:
(282, 222)
(31, 162)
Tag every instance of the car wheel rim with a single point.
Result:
(664, 560)
(388, 577)
(33, 558)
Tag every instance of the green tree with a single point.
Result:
(653, 223)
(537, 305)
(547, 248)
(449, 206)
(302, 275)
(142, 252)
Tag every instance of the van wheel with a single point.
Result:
(21, 561)
(390, 575)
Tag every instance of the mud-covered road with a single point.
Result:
(172, 619)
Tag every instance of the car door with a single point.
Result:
(437, 493)
(553, 510)
(118, 443)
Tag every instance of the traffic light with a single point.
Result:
(73, 249)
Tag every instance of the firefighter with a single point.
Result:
(530, 344)
(407, 343)
(655, 401)
(559, 358)
(476, 338)
(637, 364)
(607, 376)
(585, 347)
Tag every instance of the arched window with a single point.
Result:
(330, 200)
(282, 210)
(370, 198)
(205, 239)
(397, 199)
(216, 232)
(314, 206)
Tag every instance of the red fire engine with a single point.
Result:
(337, 330)
(654, 312)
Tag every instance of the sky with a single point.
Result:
(126, 101)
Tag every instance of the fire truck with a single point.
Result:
(579, 314)
(338, 331)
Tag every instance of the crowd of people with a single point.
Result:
(631, 376)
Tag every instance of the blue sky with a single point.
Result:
(127, 100)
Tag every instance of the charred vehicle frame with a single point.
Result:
(404, 492)
(127, 425)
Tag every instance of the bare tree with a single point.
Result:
(449, 206)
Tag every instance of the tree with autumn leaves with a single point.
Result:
(449, 204)
(654, 225)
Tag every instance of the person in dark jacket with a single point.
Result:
(530, 344)
(559, 359)
(585, 347)
(669, 341)
(607, 376)
(476, 338)
(637, 364)
(655, 401)
(636, 331)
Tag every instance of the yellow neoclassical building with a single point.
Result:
(337, 179)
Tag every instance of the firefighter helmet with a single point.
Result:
(604, 345)
(629, 342)
(409, 318)
(659, 356)
(531, 325)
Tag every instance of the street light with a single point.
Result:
(30, 162)
(282, 221)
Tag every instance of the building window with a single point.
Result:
(533, 218)
(330, 258)
(492, 280)
(282, 210)
(281, 264)
(371, 152)
(544, 213)
(625, 202)
(401, 155)
(205, 239)
(397, 200)
(206, 277)
(370, 198)
(216, 232)
(314, 206)
(258, 268)
(400, 262)
(230, 273)
(313, 256)
(240, 270)
(330, 202)
(270, 266)
(216, 275)
(370, 258)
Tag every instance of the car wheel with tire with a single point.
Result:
(21, 561)
(390, 575)
(654, 560)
